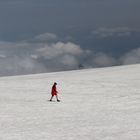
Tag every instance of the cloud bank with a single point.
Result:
(40, 54)
(46, 53)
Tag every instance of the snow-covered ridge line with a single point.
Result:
(77, 71)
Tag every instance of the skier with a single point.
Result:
(54, 92)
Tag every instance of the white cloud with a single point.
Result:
(131, 57)
(46, 37)
(58, 49)
(26, 57)
(15, 65)
(104, 32)
(62, 56)
(102, 60)
(69, 60)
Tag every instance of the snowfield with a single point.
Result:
(96, 104)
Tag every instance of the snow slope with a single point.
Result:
(97, 104)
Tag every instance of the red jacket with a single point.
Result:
(54, 91)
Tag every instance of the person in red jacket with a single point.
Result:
(54, 92)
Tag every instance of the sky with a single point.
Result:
(55, 35)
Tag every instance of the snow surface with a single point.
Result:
(96, 104)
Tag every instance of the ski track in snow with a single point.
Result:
(96, 104)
